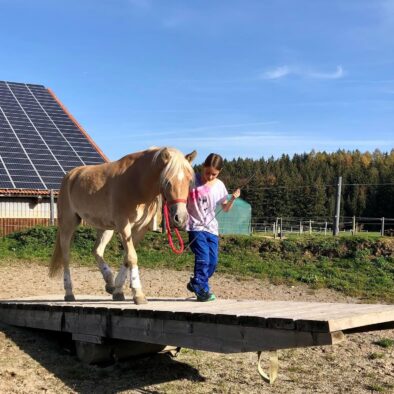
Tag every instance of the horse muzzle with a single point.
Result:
(178, 215)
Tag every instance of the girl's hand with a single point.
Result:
(236, 194)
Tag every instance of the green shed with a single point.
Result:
(237, 220)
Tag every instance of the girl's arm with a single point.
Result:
(227, 205)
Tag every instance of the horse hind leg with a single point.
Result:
(66, 231)
(103, 237)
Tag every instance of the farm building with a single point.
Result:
(40, 141)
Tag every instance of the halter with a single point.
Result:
(175, 201)
(168, 227)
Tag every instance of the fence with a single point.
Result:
(278, 226)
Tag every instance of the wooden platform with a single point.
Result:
(222, 326)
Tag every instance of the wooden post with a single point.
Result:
(337, 207)
(274, 229)
(281, 228)
(354, 226)
(52, 208)
(382, 229)
(325, 228)
(310, 226)
(300, 227)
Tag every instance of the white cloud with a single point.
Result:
(339, 73)
(276, 73)
(283, 71)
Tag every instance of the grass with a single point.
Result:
(385, 343)
(361, 266)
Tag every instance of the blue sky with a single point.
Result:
(246, 78)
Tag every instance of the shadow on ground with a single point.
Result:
(54, 352)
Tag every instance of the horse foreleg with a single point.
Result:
(130, 262)
(103, 237)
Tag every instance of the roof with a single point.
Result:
(40, 141)
(25, 192)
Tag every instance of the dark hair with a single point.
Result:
(214, 160)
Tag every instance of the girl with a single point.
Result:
(207, 192)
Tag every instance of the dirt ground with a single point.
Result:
(40, 362)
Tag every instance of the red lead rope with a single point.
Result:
(169, 235)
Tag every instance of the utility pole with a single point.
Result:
(337, 207)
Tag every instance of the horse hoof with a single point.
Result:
(118, 297)
(109, 289)
(140, 300)
(69, 297)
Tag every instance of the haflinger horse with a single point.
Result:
(123, 196)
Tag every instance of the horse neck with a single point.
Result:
(148, 179)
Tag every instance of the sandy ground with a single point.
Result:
(38, 362)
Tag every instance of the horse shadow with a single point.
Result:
(56, 353)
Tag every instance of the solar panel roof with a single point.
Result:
(39, 140)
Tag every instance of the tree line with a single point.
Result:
(304, 185)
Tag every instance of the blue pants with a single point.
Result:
(205, 247)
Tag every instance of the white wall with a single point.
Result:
(20, 208)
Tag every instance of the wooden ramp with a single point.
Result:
(224, 326)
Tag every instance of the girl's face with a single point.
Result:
(209, 174)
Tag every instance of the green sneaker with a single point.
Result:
(206, 297)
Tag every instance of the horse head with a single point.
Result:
(175, 180)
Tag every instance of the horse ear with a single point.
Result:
(165, 156)
(191, 156)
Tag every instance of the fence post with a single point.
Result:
(310, 227)
(281, 229)
(337, 207)
(325, 228)
(300, 227)
(382, 229)
(354, 226)
(52, 207)
(274, 229)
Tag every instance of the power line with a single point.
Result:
(315, 186)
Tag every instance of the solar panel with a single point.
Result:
(39, 140)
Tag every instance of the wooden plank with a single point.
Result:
(302, 316)
(34, 318)
(214, 337)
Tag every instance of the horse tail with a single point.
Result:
(63, 209)
(57, 262)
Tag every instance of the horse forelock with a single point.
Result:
(177, 167)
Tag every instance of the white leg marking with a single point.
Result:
(135, 282)
(121, 279)
(107, 273)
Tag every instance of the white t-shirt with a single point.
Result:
(201, 205)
